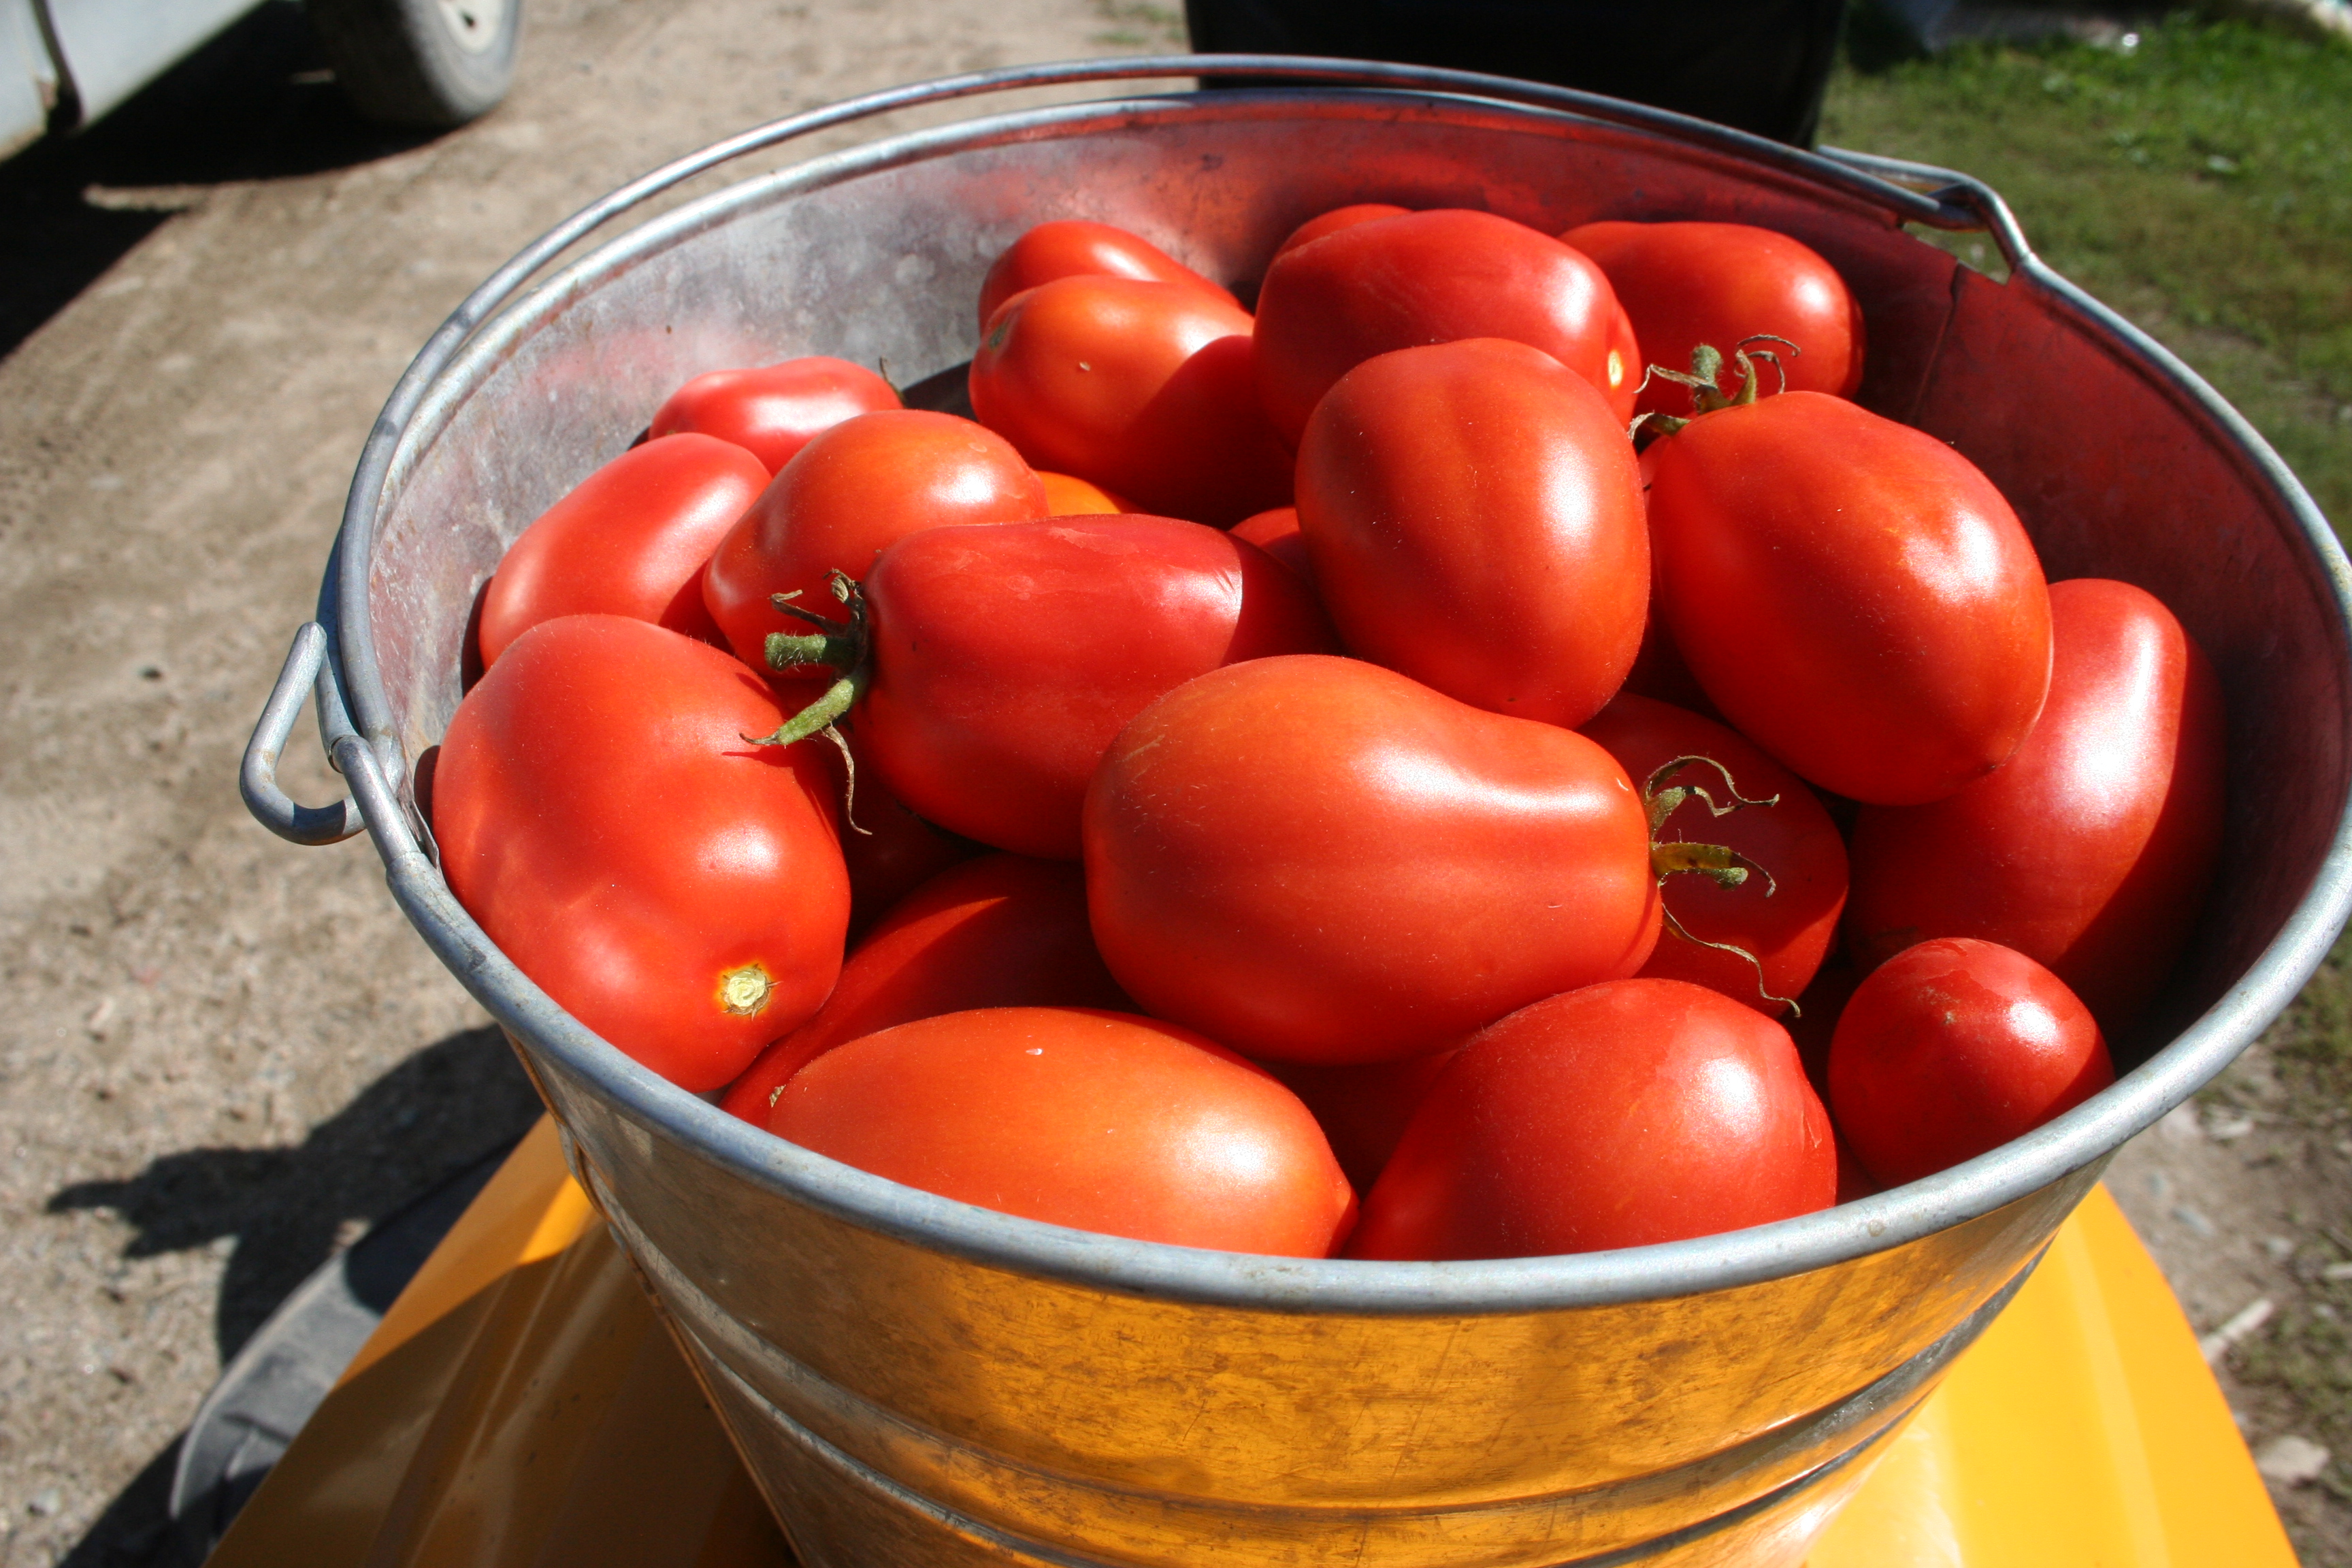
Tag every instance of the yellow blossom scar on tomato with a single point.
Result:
(743, 992)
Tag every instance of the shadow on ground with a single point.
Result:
(256, 103)
(439, 1111)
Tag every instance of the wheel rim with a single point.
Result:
(474, 25)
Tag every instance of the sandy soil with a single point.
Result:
(222, 1057)
(222, 1054)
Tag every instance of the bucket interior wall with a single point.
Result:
(1064, 1413)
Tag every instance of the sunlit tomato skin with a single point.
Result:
(851, 491)
(1074, 247)
(1789, 923)
(1363, 1111)
(1335, 220)
(1424, 277)
(629, 540)
(1275, 531)
(1005, 660)
(1953, 1047)
(1474, 516)
(1099, 1121)
(2091, 850)
(1066, 495)
(1622, 370)
(1003, 930)
(1145, 388)
(773, 411)
(676, 889)
(1620, 1115)
(1319, 860)
(1684, 284)
(1856, 597)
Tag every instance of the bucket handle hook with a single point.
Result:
(306, 669)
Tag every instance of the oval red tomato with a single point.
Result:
(1003, 930)
(890, 851)
(1684, 284)
(1335, 220)
(2090, 851)
(1143, 387)
(1319, 860)
(1275, 531)
(1619, 1115)
(851, 491)
(1788, 923)
(1103, 1121)
(1074, 247)
(1066, 495)
(1953, 1047)
(630, 540)
(1474, 516)
(773, 411)
(1856, 597)
(1426, 277)
(676, 889)
(1004, 659)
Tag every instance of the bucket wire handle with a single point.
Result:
(1964, 204)
(305, 671)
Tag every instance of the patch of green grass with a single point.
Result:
(2201, 182)
(1140, 24)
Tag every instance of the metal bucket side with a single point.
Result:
(957, 1325)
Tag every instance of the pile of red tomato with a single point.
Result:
(1309, 781)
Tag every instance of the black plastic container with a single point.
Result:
(1759, 65)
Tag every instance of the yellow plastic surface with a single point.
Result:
(520, 1403)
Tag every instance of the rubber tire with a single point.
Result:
(399, 62)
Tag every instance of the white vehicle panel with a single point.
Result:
(114, 47)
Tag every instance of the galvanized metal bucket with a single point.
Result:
(915, 1381)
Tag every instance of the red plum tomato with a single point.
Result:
(1426, 277)
(1275, 531)
(1005, 660)
(2091, 850)
(1619, 1115)
(1473, 513)
(773, 411)
(1074, 247)
(890, 850)
(676, 889)
(1684, 284)
(1335, 220)
(1788, 923)
(1003, 930)
(1066, 495)
(1951, 1048)
(1099, 1121)
(1856, 597)
(1318, 860)
(851, 491)
(1144, 388)
(630, 540)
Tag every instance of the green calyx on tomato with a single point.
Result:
(837, 644)
(1718, 863)
(1707, 393)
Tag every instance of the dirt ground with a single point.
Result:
(221, 1057)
